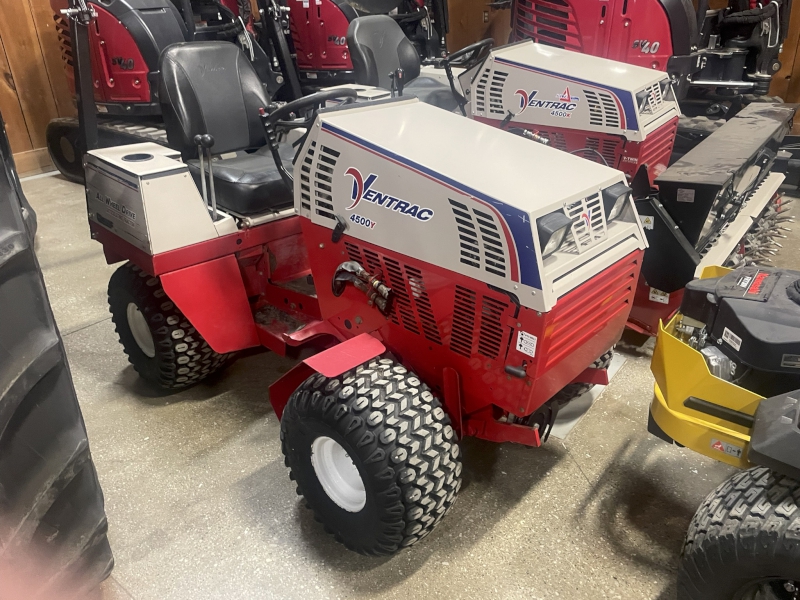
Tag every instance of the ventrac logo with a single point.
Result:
(565, 102)
(363, 190)
(586, 217)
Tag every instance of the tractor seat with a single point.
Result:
(211, 87)
(378, 47)
(242, 182)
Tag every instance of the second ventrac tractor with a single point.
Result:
(454, 288)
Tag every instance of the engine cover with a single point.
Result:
(753, 314)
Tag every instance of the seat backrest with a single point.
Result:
(378, 47)
(210, 87)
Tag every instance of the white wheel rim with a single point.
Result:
(338, 475)
(140, 330)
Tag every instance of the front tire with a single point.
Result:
(161, 344)
(744, 541)
(404, 468)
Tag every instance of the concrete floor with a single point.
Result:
(200, 505)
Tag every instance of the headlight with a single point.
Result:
(552, 230)
(614, 199)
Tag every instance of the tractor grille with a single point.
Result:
(550, 22)
(654, 100)
(603, 110)
(588, 224)
(474, 332)
(323, 179)
(64, 39)
(608, 148)
(496, 93)
(472, 325)
(586, 310)
(480, 92)
(489, 92)
(305, 177)
(411, 304)
(657, 147)
(480, 239)
(591, 148)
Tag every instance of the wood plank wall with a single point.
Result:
(33, 86)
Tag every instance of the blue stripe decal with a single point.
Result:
(518, 221)
(624, 96)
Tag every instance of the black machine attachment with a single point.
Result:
(705, 190)
(747, 325)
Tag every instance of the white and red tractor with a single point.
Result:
(454, 287)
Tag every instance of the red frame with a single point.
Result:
(428, 329)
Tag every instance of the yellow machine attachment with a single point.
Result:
(682, 380)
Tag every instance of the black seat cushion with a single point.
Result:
(431, 91)
(249, 184)
(211, 87)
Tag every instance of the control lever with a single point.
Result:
(204, 142)
(398, 82)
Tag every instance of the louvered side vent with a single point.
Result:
(607, 148)
(491, 336)
(64, 39)
(323, 182)
(494, 258)
(480, 240)
(480, 92)
(550, 22)
(373, 262)
(353, 253)
(589, 224)
(402, 300)
(558, 141)
(423, 303)
(496, 93)
(654, 100)
(305, 177)
(602, 109)
(463, 329)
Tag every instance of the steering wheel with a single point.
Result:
(469, 56)
(277, 119)
(465, 58)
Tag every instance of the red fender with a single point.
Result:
(330, 363)
(213, 298)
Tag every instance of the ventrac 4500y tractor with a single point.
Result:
(453, 297)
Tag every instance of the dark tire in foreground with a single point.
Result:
(575, 390)
(53, 526)
(160, 343)
(744, 541)
(374, 455)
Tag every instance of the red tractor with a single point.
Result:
(449, 298)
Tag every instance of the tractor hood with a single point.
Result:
(552, 87)
(460, 194)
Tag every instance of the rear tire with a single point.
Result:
(404, 470)
(62, 144)
(576, 390)
(744, 539)
(159, 341)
